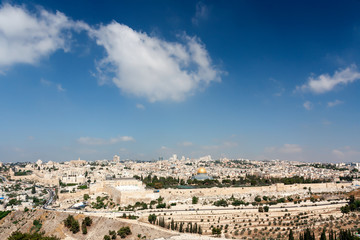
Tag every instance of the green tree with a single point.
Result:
(87, 221)
(323, 235)
(195, 200)
(124, 231)
(291, 235)
(216, 231)
(83, 228)
(30, 236)
(266, 208)
(86, 197)
(152, 218)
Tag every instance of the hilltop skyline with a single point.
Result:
(145, 79)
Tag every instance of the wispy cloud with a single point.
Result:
(60, 88)
(48, 83)
(202, 13)
(170, 70)
(186, 144)
(334, 103)
(326, 122)
(140, 106)
(308, 105)
(346, 154)
(278, 87)
(102, 141)
(224, 145)
(325, 83)
(286, 148)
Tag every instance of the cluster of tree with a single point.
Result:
(347, 178)
(13, 201)
(137, 205)
(216, 231)
(72, 224)
(36, 226)
(353, 205)
(23, 173)
(160, 203)
(158, 183)
(263, 209)
(175, 226)
(122, 232)
(4, 214)
(152, 218)
(204, 183)
(99, 202)
(86, 197)
(221, 203)
(30, 236)
(327, 166)
(129, 216)
(86, 223)
(308, 234)
(253, 180)
(82, 186)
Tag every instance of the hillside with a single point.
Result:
(52, 224)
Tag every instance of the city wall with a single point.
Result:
(179, 194)
(131, 197)
(38, 179)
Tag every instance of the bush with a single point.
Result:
(22, 236)
(72, 224)
(87, 221)
(86, 197)
(152, 218)
(124, 231)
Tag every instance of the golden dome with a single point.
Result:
(201, 170)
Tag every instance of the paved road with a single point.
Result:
(3, 178)
(140, 212)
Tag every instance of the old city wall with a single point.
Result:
(35, 178)
(238, 191)
(77, 194)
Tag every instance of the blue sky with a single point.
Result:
(143, 79)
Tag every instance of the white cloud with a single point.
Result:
(325, 82)
(202, 13)
(102, 141)
(140, 106)
(334, 103)
(27, 37)
(308, 105)
(149, 67)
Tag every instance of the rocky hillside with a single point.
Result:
(52, 224)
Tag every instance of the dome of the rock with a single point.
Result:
(201, 170)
